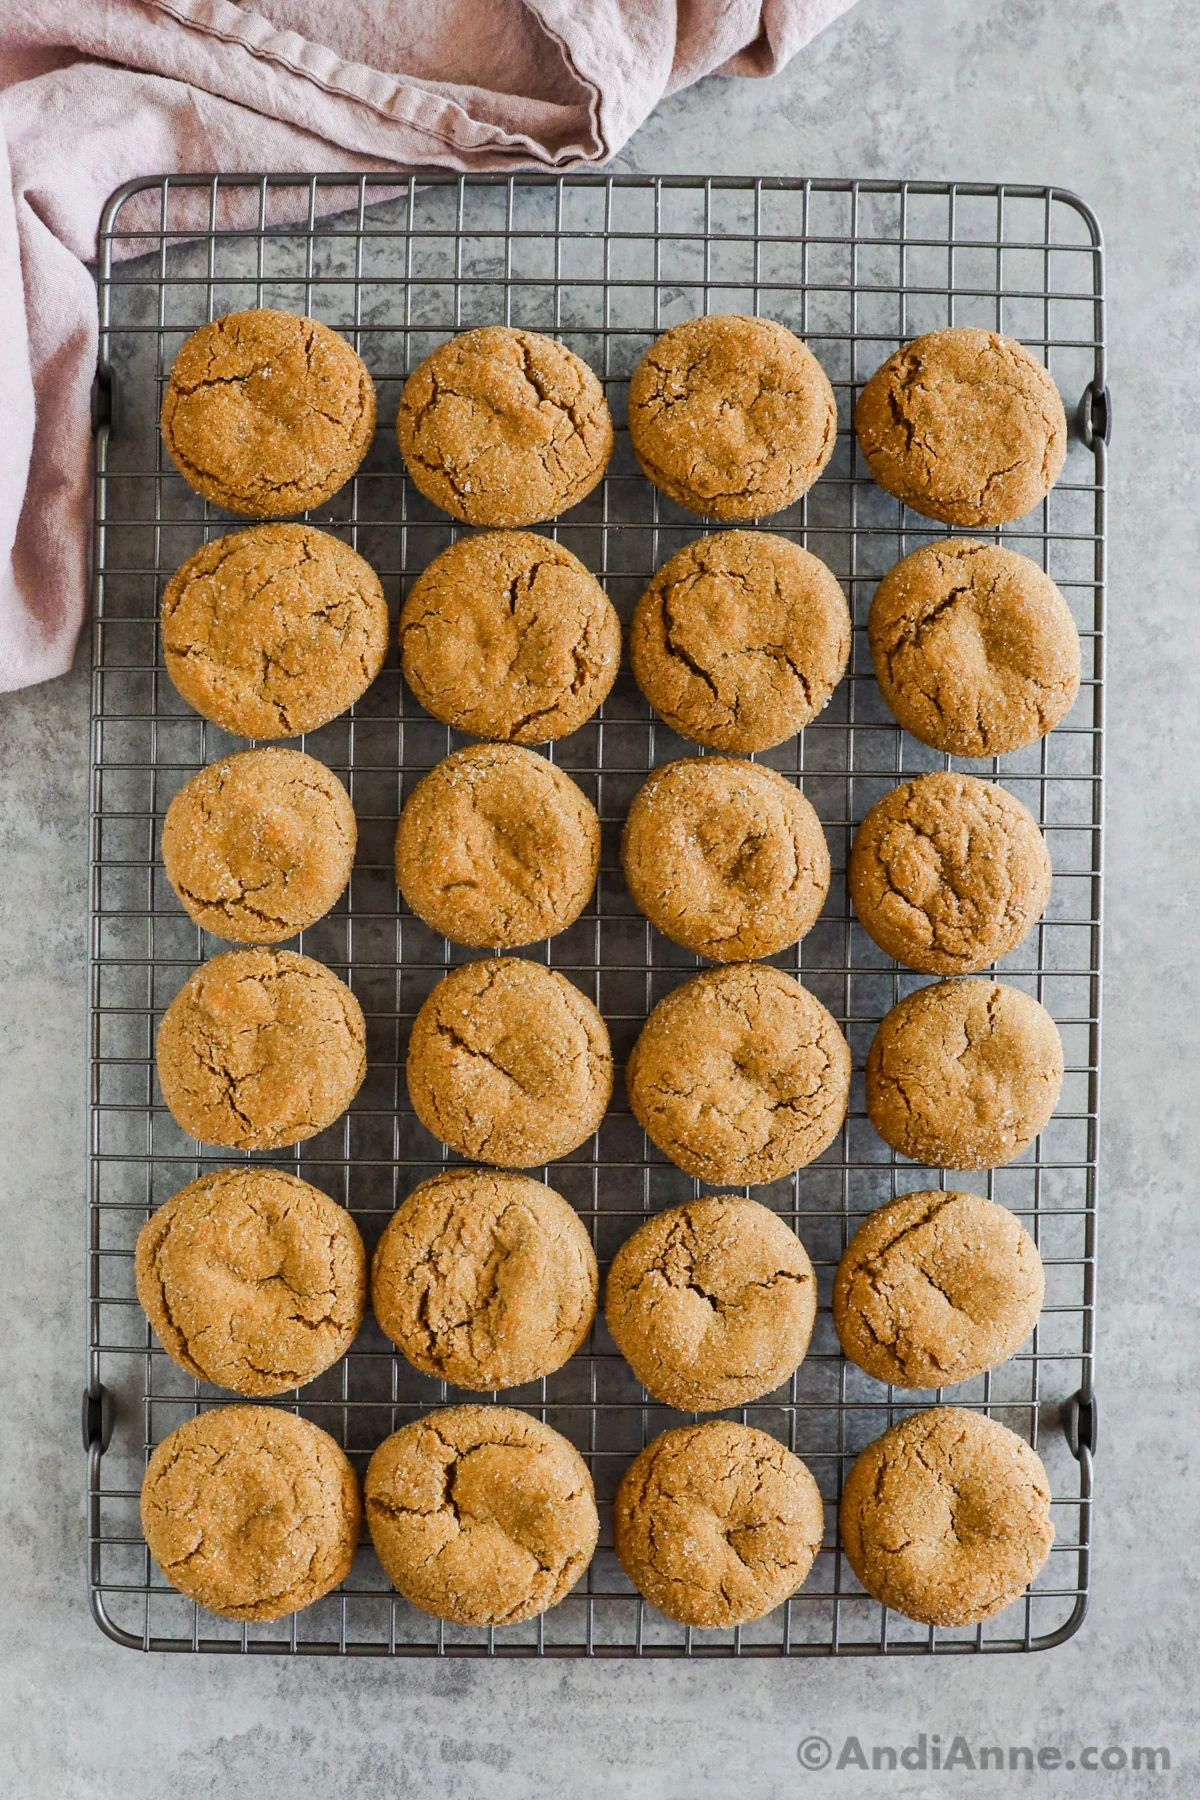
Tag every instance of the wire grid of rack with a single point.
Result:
(604, 263)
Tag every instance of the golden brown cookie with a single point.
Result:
(260, 1048)
(267, 413)
(258, 846)
(712, 1303)
(508, 1063)
(740, 1075)
(251, 1511)
(728, 858)
(481, 1514)
(273, 631)
(946, 1517)
(507, 635)
(964, 1074)
(485, 1278)
(937, 1287)
(252, 1279)
(740, 640)
(948, 873)
(965, 426)
(975, 649)
(716, 1524)
(504, 427)
(496, 846)
(731, 416)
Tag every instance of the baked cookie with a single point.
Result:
(273, 631)
(935, 1288)
(731, 416)
(946, 1517)
(260, 1048)
(497, 846)
(964, 1074)
(258, 846)
(712, 1303)
(716, 1524)
(485, 1278)
(948, 873)
(965, 426)
(975, 649)
(740, 640)
(509, 1064)
(481, 1514)
(504, 427)
(507, 635)
(727, 858)
(251, 1511)
(740, 1075)
(267, 413)
(252, 1279)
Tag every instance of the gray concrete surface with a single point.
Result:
(1103, 96)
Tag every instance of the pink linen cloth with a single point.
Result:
(96, 92)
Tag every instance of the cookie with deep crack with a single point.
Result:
(964, 1074)
(946, 1517)
(485, 1278)
(712, 1303)
(740, 1075)
(252, 1279)
(251, 1511)
(275, 630)
(731, 416)
(726, 857)
(507, 635)
(975, 649)
(948, 873)
(258, 846)
(965, 426)
(740, 639)
(260, 1048)
(481, 1514)
(717, 1524)
(935, 1287)
(266, 412)
(504, 427)
(509, 1064)
(496, 846)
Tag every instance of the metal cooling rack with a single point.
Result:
(604, 263)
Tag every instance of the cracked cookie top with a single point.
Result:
(948, 873)
(712, 1303)
(504, 427)
(740, 640)
(740, 1075)
(935, 1287)
(946, 1517)
(975, 649)
(259, 845)
(273, 631)
(731, 416)
(251, 1511)
(964, 1074)
(965, 426)
(716, 1524)
(727, 858)
(507, 635)
(252, 1279)
(260, 1048)
(485, 1278)
(509, 1064)
(481, 1514)
(496, 846)
(266, 412)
